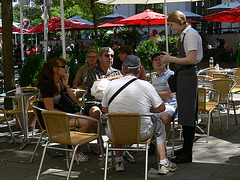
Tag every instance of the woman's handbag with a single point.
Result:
(68, 105)
(172, 82)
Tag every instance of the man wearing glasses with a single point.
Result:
(83, 70)
(104, 70)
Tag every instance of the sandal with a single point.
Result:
(97, 150)
(80, 157)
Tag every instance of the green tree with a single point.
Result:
(86, 6)
(31, 14)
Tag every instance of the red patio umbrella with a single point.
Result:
(15, 30)
(54, 24)
(148, 17)
(230, 16)
(111, 23)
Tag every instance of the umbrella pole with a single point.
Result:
(21, 35)
(45, 32)
(148, 30)
(63, 30)
(166, 29)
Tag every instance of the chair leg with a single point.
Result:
(235, 115)
(101, 149)
(106, 162)
(227, 121)
(10, 130)
(66, 153)
(209, 123)
(220, 120)
(35, 150)
(146, 161)
(41, 163)
(70, 168)
(34, 126)
(173, 137)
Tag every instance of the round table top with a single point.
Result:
(227, 70)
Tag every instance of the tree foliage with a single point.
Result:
(32, 14)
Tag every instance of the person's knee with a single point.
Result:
(165, 118)
(95, 112)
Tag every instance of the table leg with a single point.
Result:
(25, 123)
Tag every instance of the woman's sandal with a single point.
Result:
(80, 157)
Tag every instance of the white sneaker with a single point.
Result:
(166, 167)
(119, 167)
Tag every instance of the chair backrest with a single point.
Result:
(57, 125)
(2, 114)
(37, 112)
(211, 73)
(125, 127)
(237, 73)
(79, 95)
(224, 86)
(220, 75)
(201, 99)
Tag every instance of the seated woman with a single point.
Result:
(52, 81)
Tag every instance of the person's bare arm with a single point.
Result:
(105, 109)
(166, 95)
(190, 59)
(75, 83)
(158, 109)
(49, 104)
(111, 78)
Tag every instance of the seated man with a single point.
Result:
(93, 107)
(127, 50)
(160, 83)
(83, 70)
(139, 97)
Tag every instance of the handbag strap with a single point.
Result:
(119, 90)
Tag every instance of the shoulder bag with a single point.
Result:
(119, 90)
(67, 104)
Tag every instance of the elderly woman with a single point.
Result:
(53, 81)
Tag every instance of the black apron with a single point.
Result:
(186, 90)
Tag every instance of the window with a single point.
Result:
(155, 7)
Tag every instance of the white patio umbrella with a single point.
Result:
(191, 14)
(223, 6)
(147, 2)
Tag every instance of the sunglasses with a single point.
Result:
(107, 55)
(64, 67)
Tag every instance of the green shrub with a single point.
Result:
(29, 73)
(144, 51)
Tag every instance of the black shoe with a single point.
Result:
(182, 159)
(178, 152)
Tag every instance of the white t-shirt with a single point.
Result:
(138, 97)
(192, 41)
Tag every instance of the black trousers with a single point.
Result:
(188, 135)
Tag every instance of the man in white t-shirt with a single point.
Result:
(139, 97)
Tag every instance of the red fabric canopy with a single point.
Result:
(230, 16)
(15, 30)
(148, 17)
(54, 24)
(111, 23)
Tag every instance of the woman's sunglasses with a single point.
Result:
(64, 67)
